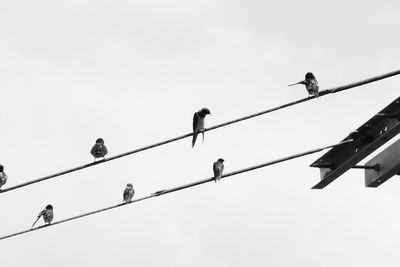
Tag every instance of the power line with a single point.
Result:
(182, 187)
(322, 93)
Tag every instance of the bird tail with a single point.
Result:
(194, 138)
(35, 221)
(301, 82)
(203, 136)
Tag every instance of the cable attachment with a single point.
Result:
(159, 193)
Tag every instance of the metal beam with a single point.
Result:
(389, 162)
(366, 139)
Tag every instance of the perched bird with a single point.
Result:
(99, 150)
(218, 168)
(3, 176)
(128, 193)
(198, 123)
(47, 214)
(311, 84)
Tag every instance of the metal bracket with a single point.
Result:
(158, 193)
(389, 160)
(366, 139)
(375, 167)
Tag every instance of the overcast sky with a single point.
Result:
(134, 72)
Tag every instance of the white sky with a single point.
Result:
(134, 73)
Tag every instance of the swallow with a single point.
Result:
(47, 214)
(311, 84)
(3, 176)
(128, 193)
(99, 150)
(198, 123)
(218, 168)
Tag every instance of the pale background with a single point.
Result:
(134, 72)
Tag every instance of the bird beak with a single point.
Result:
(301, 82)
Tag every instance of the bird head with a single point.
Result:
(129, 185)
(100, 141)
(49, 207)
(205, 111)
(309, 75)
(221, 160)
(1, 168)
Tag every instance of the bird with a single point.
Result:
(218, 168)
(3, 176)
(128, 193)
(47, 214)
(99, 150)
(311, 84)
(198, 123)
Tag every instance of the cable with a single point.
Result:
(322, 93)
(178, 188)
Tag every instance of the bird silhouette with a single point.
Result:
(198, 123)
(47, 214)
(218, 168)
(129, 192)
(99, 150)
(311, 84)
(3, 176)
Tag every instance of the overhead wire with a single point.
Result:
(321, 94)
(178, 188)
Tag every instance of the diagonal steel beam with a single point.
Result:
(366, 139)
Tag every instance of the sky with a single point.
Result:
(134, 72)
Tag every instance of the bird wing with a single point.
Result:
(215, 169)
(315, 83)
(195, 121)
(43, 212)
(195, 128)
(94, 149)
(312, 86)
(3, 179)
(48, 216)
(126, 194)
(104, 151)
